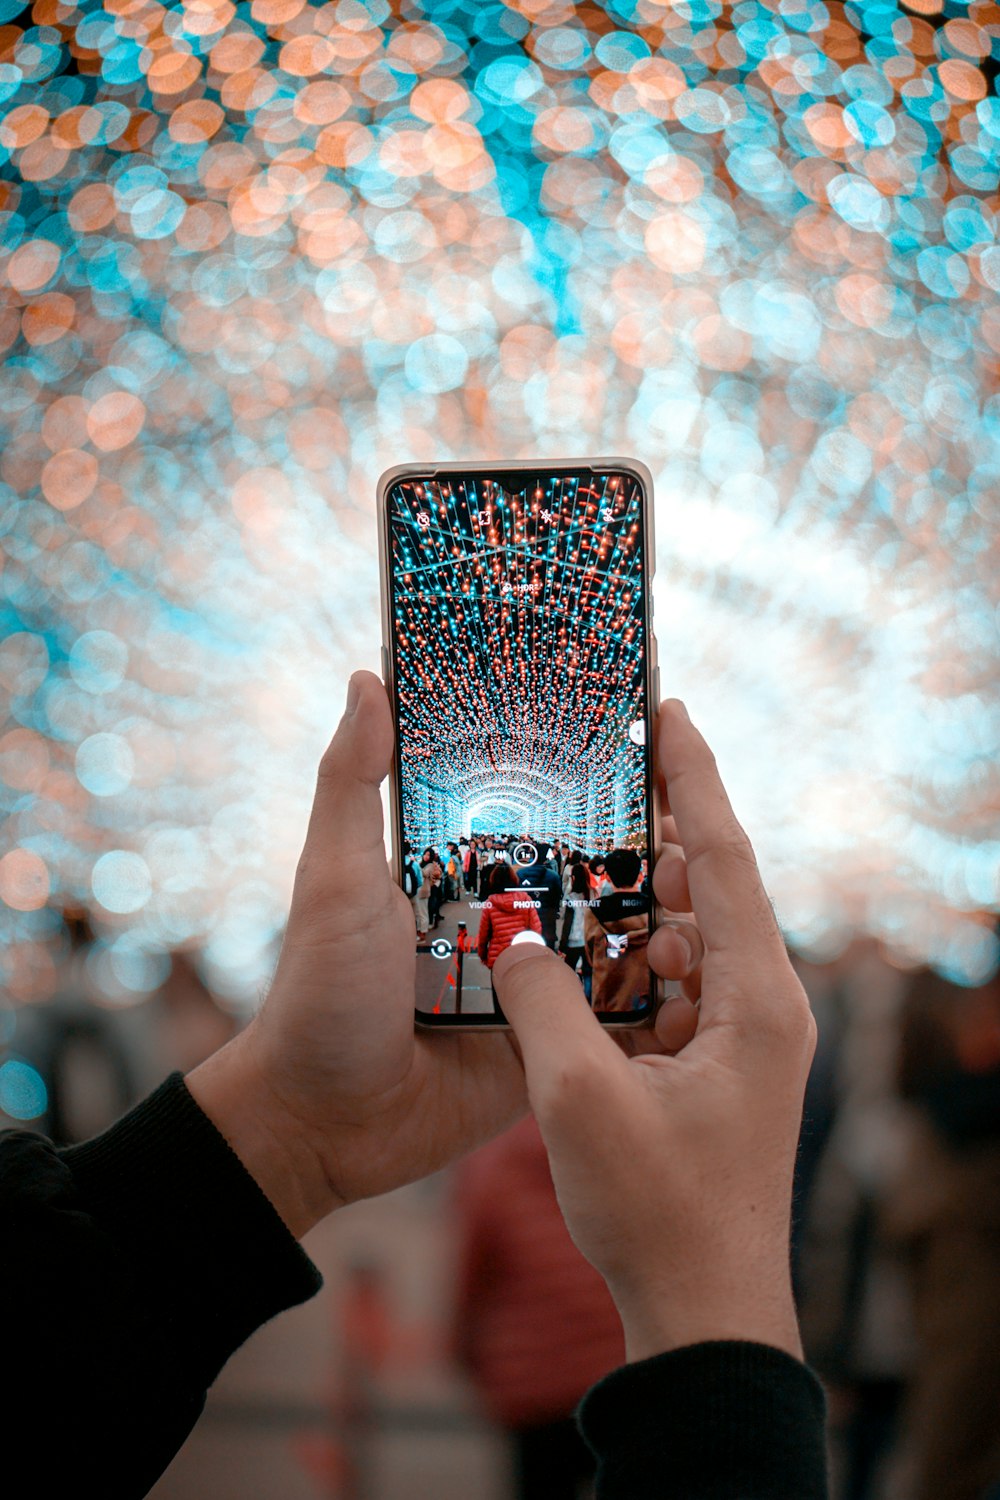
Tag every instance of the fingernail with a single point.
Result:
(688, 953)
(515, 954)
(682, 709)
(353, 694)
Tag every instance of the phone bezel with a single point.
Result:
(497, 471)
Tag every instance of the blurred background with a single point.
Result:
(252, 255)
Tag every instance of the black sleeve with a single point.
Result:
(715, 1421)
(132, 1266)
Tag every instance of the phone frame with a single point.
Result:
(499, 471)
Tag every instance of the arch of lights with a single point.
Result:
(519, 787)
(519, 657)
(250, 256)
(437, 813)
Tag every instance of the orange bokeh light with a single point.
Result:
(68, 478)
(24, 880)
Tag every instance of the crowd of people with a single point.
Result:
(591, 908)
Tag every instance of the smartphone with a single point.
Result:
(520, 662)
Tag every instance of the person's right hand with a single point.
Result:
(674, 1173)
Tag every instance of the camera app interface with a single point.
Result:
(520, 675)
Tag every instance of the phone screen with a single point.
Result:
(518, 606)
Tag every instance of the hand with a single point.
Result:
(329, 1095)
(674, 1173)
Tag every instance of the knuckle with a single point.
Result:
(730, 852)
(798, 1024)
(326, 771)
(314, 891)
(310, 906)
(571, 1087)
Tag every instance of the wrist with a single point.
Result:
(758, 1309)
(234, 1092)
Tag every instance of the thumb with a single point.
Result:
(563, 1045)
(347, 807)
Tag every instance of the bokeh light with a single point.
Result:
(22, 1090)
(252, 255)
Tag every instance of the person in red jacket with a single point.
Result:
(534, 1325)
(508, 911)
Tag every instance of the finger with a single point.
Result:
(675, 949)
(670, 879)
(347, 808)
(676, 1023)
(728, 897)
(344, 898)
(691, 985)
(558, 1033)
(668, 830)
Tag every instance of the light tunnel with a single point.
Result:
(520, 660)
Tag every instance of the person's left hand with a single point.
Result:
(330, 1095)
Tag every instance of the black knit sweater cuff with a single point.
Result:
(167, 1187)
(726, 1420)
